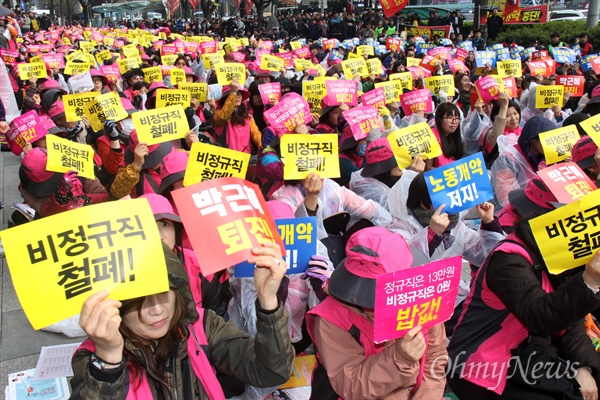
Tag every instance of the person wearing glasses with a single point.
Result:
(447, 132)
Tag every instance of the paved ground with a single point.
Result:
(19, 344)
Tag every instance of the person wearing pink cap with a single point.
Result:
(349, 364)
(50, 193)
(76, 131)
(234, 125)
(100, 81)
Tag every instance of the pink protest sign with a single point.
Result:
(33, 48)
(269, 92)
(566, 181)
(375, 98)
(190, 47)
(290, 112)
(415, 101)
(157, 45)
(488, 88)
(259, 54)
(416, 72)
(510, 86)
(238, 57)
(179, 46)
(303, 52)
(288, 57)
(421, 296)
(339, 92)
(26, 128)
(461, 54)
(9, 56)
(166, 69)
(441, 53)
(208, 47)
(168, 49)
(266, 45)
(362, 120)
(118, 44)
(97, 37)
(112, 72)
(54, 60)
(457, 65)
(45, 48)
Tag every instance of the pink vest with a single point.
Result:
(489, 309)
(440, 160)
(237, 136)
(200, 364)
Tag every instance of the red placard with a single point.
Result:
(290, 112)
(339, 92)
(510, 86)
(362, 120)
(539, 55)
(595, 64)
(566, 181)
(26, 128)
(225, 218)
(391, 7)
(393, 43)
(375, 98)
(428, 63)
(461, 54)
(488, 88)
(415, 101)
(573, 84)
(539, 68)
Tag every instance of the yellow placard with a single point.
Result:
(65, 41)
(374, 66)
(152, 74)
(65, 155)
(391, 89)
(548, 96)
(57, 262)
(93, 112)
(76, 55)
(170, 97)
(109, 41)
(36, 59)
(87, 47)
(591, 126)
(131, 51)
(76, 68)
(365, 49)
(413, 62)
(296, 45)
(271, 63)
(355, 66)
(509, 68)
(227, 72)
(405, 79)
(198, 91)
(321, 71)
(74, 104)
(103, 56)
(160, 125)
(302, 64)
(177, 76)
(415, 139)
(566, 236)
(303, 154)
(90, 59)
(30, 70)
(210, 162)
(435, 84)
(87, 34)
(558, 143)
(168, 59)
(354, 55)
(302, 372)
(103, 107)
(317, 88)
(126, 64)
(212, 59)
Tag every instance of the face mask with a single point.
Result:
(361, 150)
(127, 126)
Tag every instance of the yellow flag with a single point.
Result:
(417, 138)
(210, 162)
(37, 70)
(198, 91)
(566, 236)
(57, 262)
(304, 154)
(74, 104)
(160, 125)
(227, 72)
(170, 97)
(558, 143)
(65, 155)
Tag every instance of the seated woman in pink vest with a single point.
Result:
(163, 347)
(350, 365)
(447, 132)
(521, 334)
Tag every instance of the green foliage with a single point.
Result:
(525, 35)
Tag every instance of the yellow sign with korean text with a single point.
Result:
(405, 79)
(108, 41)
(417, 138)
(207, 162)
(65, 155)
(374, 66)
(170, 97)
(103, 107)
(567, 236)
(391, 89)
(126, 64)
(32, 70)
(435, 84)
(86, 46)
(160, 125)
(296, 45)
(548, 96)
(177, 76)
(198, 91)
(76, 55)
(301, 64)
(131, 51)
(353, 56)
(152, 74)
(76, 68)
(509, 68)
(355, 66)
(272, 63)
(36, 59)
(591, 126)
(227, 72)
(413, 62)
(57, 262)
(168, 59)
(103, 55)
(212, 59)
(365, 49)
(91, 60)
(303, 154)
(316, 88)
(558, 143)
(74, 104)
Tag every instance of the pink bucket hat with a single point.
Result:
(379, 158)
(161, 208)
(33, 174)
(173, 169)
(583, 152)
(369, 252)
(535, 198)
(57, 110)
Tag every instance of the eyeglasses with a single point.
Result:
(452, 119)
